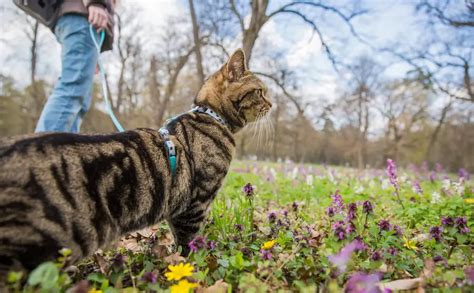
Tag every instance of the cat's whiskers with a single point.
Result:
(267, 128)
(254, 127)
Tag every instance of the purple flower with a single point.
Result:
(272, 217)
(150, 277)
(384, 225)
(461, 224)
(248, 189)
(417, 187)
(211, 245)
(376, 256)
(284, 213)
(295, 206)
(436, 233)
(339, 230)
(266, 254)
(362, 283)
(330, 211)
(341, 259)
(351, 211)
(439, 167)
(239, 227)
(392, 251)
(447, 221)
(464, 230)
(197, 243)
(118, 261)
(367, 207)
(469, 272)
(337, 202)
(438, 258)
(463, 174)
(460, 221)
(350, 228)
(392, 173)
(246, 251)
(398, 230)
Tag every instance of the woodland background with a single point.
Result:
(408, 99)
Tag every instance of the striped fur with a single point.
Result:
(85, 191)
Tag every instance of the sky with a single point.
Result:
(386, 23)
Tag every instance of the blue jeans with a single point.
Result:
(72, 94)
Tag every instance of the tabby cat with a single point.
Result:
(84, 191)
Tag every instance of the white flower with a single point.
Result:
(294, 174)
(402, 179)
(309, 180)
(446, 184)
(359, 189)
(385, 184)
(459, 187)
(273, 172)
(372, 184)
(435, 197)
(331, 177)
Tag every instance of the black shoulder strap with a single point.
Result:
(45, 11)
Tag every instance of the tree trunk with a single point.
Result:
(257, 20)
(434, 136)
(197, 44)
(182, 60)
(36, 97)
(276, 121)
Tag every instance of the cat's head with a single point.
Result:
(237, 94)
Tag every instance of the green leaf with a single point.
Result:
(223, 262)
(46, 275)
(237, 261)
(96, 277)
(461, 238)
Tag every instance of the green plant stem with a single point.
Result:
(451, 249)
(398, 197)
(365, 223)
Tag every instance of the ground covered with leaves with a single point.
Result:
(302, 228)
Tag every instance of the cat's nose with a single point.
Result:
(269, 104)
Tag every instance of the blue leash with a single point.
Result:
(98, 45)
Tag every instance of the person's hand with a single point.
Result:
(98, 17)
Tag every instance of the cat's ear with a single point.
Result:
(236, 66)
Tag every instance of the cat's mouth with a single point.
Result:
(264, 110)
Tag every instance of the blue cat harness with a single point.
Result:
(170, 146)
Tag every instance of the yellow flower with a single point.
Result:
(469, 200)
(410, 244)
(93, 290)
(183, 287)
(268, 245)
(177, 272)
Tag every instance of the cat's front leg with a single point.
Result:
(185, 227)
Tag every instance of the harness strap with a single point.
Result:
(105, 93)
(170, 146)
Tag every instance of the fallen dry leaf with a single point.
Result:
(100, 260)
(282, 257)
(166, 239)
(219, 287)
(174, 259)
(160, 251)
(129, 244)
(403, 284)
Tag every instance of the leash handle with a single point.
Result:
(98, 45)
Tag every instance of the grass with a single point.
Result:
(314, 233)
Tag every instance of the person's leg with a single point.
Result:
(73, 89)
(86, 104)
